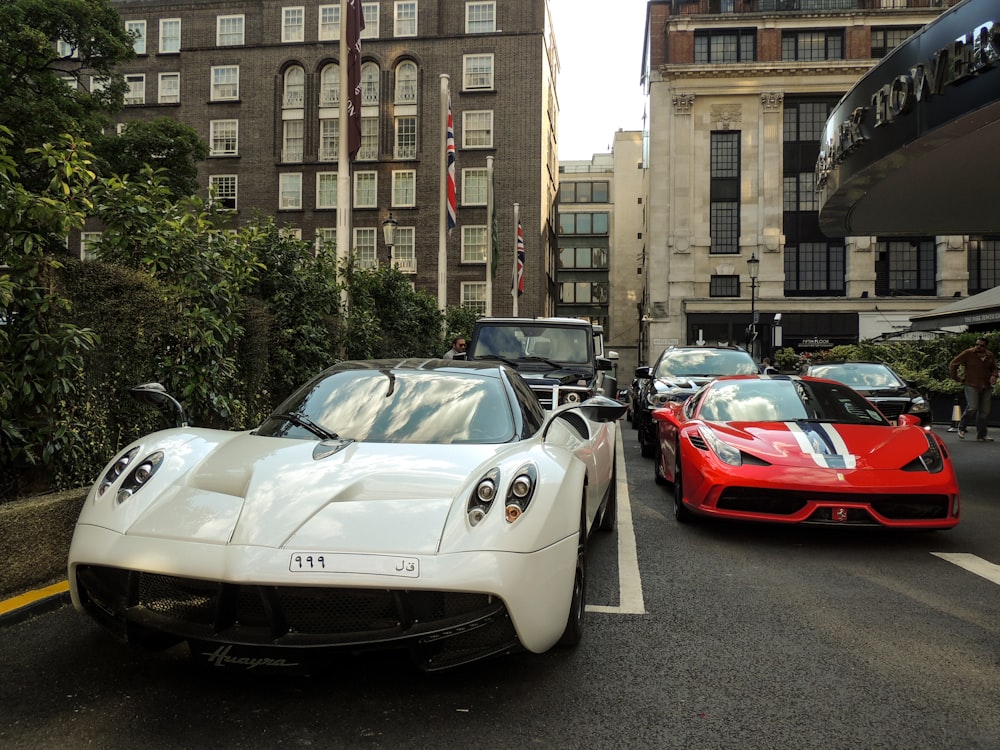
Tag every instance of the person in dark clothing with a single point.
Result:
(979, 374)
(457, 350)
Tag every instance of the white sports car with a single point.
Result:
(430, 505)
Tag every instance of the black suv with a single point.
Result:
(677, 373)
(880, 384)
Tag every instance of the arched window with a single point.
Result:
(369, 83)
(406, 83)
(329, 86)
(295, 87)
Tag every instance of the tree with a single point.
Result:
(162, 143)
(47, 90)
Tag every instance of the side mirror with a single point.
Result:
(644, 373)
(602, 409)
(154, 394)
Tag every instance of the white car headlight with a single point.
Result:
(139, 476)
(483, 495)
(116, 469)
(726, 453)
(520, 492)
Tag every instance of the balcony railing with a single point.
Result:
(723, 7)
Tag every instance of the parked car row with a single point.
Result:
(844, 443)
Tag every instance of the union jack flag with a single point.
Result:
(452, 219)
(519, 265)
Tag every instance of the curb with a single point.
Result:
(20, 608)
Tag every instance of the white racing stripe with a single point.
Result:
(973, 564)
(823, 444)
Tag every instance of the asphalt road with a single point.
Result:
(705, 636)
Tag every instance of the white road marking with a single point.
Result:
(629, 583)
(973, 564)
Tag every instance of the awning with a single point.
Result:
(975, 310)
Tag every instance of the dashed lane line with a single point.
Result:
(973, 564)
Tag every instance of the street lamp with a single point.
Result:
(753, 268)
(389, 234)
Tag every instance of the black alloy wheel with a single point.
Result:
(573, 633)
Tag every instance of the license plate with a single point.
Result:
(340, 562)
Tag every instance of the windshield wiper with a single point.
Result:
(549, 362)
(303, 421)
(510, 362)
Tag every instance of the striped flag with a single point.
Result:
(518, 281)
(355, 23)
(452, 218)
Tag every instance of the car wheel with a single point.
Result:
(658, 469)
(681, 513)
(574, 622)
(609, 516)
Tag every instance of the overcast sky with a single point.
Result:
(600, 51)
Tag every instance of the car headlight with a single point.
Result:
(661, 398)
(483, 495)
(726, 453)
(139, 476)
(520, 492)
(116, 469)
(931, 460)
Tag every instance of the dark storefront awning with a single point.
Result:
(977, 310)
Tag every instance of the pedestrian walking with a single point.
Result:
(457, 350)
(979, 374)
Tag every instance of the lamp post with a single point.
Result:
(389, 234)
(753, 268)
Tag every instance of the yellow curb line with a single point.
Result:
(31, 597)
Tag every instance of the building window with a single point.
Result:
(406, 138)
(805, 121)
(364, 246)
(887, 39)
(799, 192)
(329, 139)
(169, 88)
(329, 23)
(477, 71)
(329, 86)
(370, 11)
(291, 140)
(585, 258)
(66, 50)
(475, 187)
(290, 191)
(583, 292)
(477, 129)
(725, 46)
(473, 296)
(406, 83)
(138, 31)
(170, 35)
(294, 93)
(326, 240)
(326, 190)
(906, 267)
(584, 192)
(225, 83)
(814, 269)
(404, 188)
(474, 239)
(583, 223)
(403, 254)
(724, 286)
(369, 139)
(405, 19)
(229, 31)
(224, 136)
(223, 189)
(480, 18)
(984, 264)
(366, 189)
(293, 24)
(724, 211)
(812, 45)
(290, 233)
(369, 84)
(136, 88)
(88, 245)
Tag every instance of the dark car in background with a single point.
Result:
(880, 384)
(677, 373)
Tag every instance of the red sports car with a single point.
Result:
(801, 450)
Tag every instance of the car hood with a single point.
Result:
(534, 372)
(277, 492)
(826, 445)
(682, 382)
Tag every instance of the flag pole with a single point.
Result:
(489, 235)
(443, 213)
(513, 283)
(344, 198)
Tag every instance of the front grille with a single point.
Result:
(894, 506)
(275, 615)
(891, 408)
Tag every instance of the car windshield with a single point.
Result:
(397, 406)
(755, 400)
(562, 344)
(705, 363)
(858, 375)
